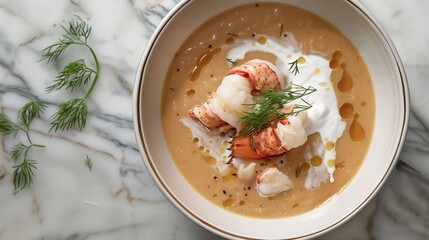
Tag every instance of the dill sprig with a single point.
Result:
(76, 74)
(231, 61)
(24, 167)
(232, 34)
(88, 162)
(294, 67)
(69, 114)
(298, 171)
(268, 108)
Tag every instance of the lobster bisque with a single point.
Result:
(314, 35)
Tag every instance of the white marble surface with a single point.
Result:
(118, 199)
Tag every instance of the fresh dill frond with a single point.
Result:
(7, 127)
(18, 150)
(24, 168)
(294, 67)
(23, 174)
(69, 114)
(76, 33)
(76, 74)
(88, 162)
(27, 113)
(268, 108)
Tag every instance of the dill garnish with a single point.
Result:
(298, 171)
(88, 162)
(76, 74)
(268, 108)
(294, 67)
(231, 61)
(22, 176)
(232, 34)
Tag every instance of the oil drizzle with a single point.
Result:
(228, 202)
(231, 176)
(335, 61)
(230, 41)
(357, 133)
(346, 111)
(346, 82)
(201, 63)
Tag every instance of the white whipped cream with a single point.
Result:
(323, 116)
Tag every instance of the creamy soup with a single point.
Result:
(202, 62)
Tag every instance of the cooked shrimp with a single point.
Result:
(233, 96)
(273, 141)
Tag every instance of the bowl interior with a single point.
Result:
(390, 123)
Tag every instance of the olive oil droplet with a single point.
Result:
(346, 82)
(262, 40)
(329, 146)
(228, 202)
(340, 165)
(317, 72)
(316, 161)
(331, 163)
(190, 93)
(304, 167)
(346, 110)
(335, 61)
(230, 41)
(357, 133)
(230, 176)
(201, 63)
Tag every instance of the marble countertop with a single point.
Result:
(118, 199)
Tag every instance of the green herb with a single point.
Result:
(268, 108)
(294, 67)
(24, 167)
(298, 171)
(281, 29)
(88, 162)
(252, 143)
(232, 34)
(76, 74)
(231, 61)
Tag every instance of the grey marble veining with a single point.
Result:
(118, 199)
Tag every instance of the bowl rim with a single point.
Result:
(138, 128)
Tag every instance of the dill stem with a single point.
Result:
(37, 145)
(28, 136)
(97, 72)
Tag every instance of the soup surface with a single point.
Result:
(198, 69)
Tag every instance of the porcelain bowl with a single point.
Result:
(392, 111)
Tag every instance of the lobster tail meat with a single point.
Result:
(272, 141)
(233, 96)
(206, 116)
(261, 74)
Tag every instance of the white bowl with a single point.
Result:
(392, 112)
